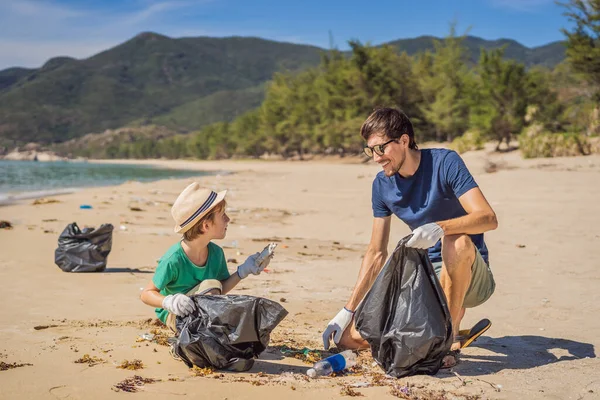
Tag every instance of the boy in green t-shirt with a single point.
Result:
(195, 265)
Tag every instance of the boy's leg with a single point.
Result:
(170, 322)
(207, 286)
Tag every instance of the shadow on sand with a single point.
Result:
(520, 352)
(129, 270)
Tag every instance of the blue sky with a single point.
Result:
(32, 31)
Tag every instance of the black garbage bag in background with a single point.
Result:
(405, 317)
(83, 251)
(227, 332)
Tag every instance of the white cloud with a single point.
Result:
(32, 31)
(35, 53)
(28, 8)
(521, 5)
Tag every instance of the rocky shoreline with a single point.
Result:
(31, 152)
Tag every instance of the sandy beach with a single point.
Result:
(545, 257)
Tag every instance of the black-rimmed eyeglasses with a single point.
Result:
(379, 149)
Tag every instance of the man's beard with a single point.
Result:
(396, 169)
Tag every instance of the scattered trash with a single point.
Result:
(232, 260)
(196, 371)
(335, 363)
(146, 336)
(85, 207)
(520, 246)
(5, 225)
(361, 385)
(40, 327)
(348, 391)
(90, 361)
(135, 209)
(6, 366)
(131, 365)
(44, 201)
(123, 227)
(49, 220)
(283, 299)
(133, 384)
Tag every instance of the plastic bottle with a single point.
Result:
(334, 363)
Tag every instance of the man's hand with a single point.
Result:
(178, 304)
(257, 262)
(337, 326)
(425, 236)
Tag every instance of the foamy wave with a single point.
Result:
(9, 198)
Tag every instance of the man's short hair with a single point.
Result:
(390, 122)
(196, 230)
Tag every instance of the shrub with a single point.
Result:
(470, 140)
(534, 142)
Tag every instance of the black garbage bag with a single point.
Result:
(227, 332)
(405, 316)
(83, 250)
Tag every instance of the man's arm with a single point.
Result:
(373, 261)
(480, 216)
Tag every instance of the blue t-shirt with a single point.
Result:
(430, 195)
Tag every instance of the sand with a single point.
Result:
(545, 257)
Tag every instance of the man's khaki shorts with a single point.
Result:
(482, 282)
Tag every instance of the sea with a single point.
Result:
(31, 179)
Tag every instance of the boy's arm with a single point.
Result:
(151, 296)
(230, 282)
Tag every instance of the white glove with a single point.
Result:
(337, 326)
(425, 236)
(257, 262)
(178, 304)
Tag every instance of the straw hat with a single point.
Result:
(193, 204)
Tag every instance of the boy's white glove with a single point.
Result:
(425, 236)
(257, 262)
(178, 304)
(337, 326)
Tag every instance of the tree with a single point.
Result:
(583, 41)
(500, 104)
(444, 80)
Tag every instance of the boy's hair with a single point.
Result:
(196, 230)
(390, 122)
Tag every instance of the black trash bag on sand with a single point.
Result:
(83, 251)
(405, 317)
(227, 332)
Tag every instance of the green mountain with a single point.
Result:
(548, 55)
(182, 83)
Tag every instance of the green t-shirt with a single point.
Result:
(175, 272)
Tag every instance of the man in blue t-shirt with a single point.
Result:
(433, 192)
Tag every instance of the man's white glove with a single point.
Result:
(337, 326)
(257, 262)
(425, 236)
(178, 304)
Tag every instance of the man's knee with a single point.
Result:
(458, 251)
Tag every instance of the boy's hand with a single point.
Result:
(257, 262)
(178, 304)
